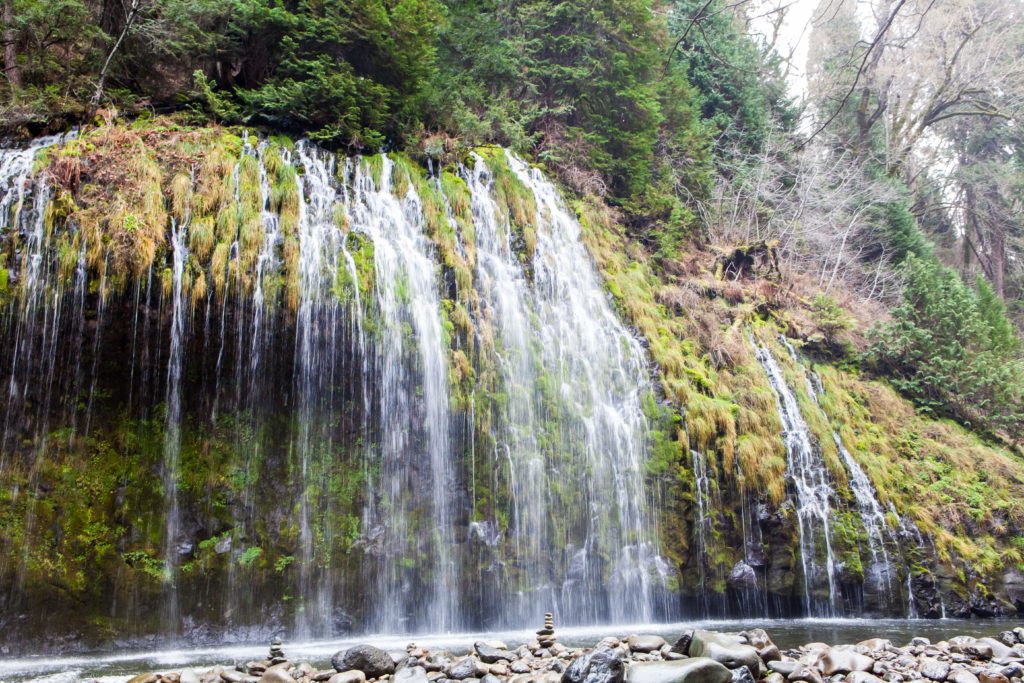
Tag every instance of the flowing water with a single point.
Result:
(597, 371)
(411, 356)
(574, 378)
(813, 493)
(880, 536)
(172, 422)
(704, 523)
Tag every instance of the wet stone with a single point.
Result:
(935, 670)
(692, 670)
(465, 669)
(371, 660)
(641, 643)
(490, 654)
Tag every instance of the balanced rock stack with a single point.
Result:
(546, 636)
(277, 652)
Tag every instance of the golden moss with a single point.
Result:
(181, 197)
(962, 492)
(201, 238)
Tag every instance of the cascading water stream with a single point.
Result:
(172, 419)
(872, 515)
(410, 358)
(599, 374)
(506, 295)
(704, 523)
(813, 491)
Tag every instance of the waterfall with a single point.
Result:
(36, 353)
(505, 294)
(813, 490)
(598, 371)
(876, 528)
(410, 354)
(172, 420)
(311, 372)
(704, 524)
(875, 525)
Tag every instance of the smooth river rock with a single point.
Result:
(148, 677)
(726, 650)
(692, 670)
(998, 649)
(961, 676)
(785, 666)
(862, 677)
(276, 675)
(371, 660)
(353, 676)
(838, 661)
(934, 670)
(467, 668)
(638, 643)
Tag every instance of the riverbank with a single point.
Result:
(209, 664)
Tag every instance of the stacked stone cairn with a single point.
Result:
(546, 636)
(277, 652)
(696, 657)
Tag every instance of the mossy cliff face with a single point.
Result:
(951, 499)
(274, 520)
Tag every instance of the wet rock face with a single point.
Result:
(742, 578)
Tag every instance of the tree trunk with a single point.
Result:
(130, 14)
(10, 36)
(997, 257)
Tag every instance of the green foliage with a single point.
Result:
(829, 316)
(741, 92)
(899, 234)
(952, 350)
(250, 555)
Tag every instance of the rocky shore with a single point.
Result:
(697, 656)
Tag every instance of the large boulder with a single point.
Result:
(603, 665)
(726, 650)
(692, 670)
(371, 660)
